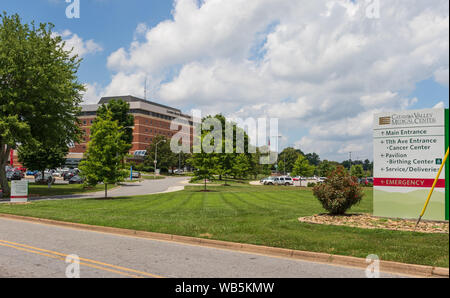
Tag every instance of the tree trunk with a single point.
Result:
(106, 191)
(205, 184)
(3, 181)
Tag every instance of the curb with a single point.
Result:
(385, 266)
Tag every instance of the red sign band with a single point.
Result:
(19, 197)
(408, 182)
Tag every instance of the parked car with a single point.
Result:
(47, 178)
(31, 173)
(70, 174)
(322, 179)
(270, 181)
(76, 180)
(13, 175)
(287, 181)
(21, 169)
(136, 175)
(263, 180)
(366, 181)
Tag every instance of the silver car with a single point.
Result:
(287, 181)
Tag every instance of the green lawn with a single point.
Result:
(36, 190)
(251, 214)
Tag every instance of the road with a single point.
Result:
(128, 189)
(35, 250)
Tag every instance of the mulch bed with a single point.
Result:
(367, 221)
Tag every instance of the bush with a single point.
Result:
(339, 193)
(311, 184)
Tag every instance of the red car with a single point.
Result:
(22, 169)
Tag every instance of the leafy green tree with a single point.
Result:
(325, 168)
(357, 171)
(103, 158)
(313, 159)
(224, 166)
(120, 110)
(38, 156)
(288, 157)
(204, 164)
(302, 167)
(166, 158)
(39, 91)
(281, 166)
(241, 166)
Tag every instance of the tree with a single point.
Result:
(241, 166)
(204, 164)
(120, 110)
(103, 158)
(313, 159)
(357, 171)
(325, 168)
(39, 91)
(288, 157)
(38, 156)
(166, 158)
(302, 167)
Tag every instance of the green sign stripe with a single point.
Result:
(447, 167)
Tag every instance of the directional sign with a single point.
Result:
(19, 191)
(408, 151)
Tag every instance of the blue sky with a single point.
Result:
(318, 66)
(111, 23)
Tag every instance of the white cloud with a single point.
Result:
(80, 47)
(439, 105)
(319, 65)
(442, 76)
(92, 94)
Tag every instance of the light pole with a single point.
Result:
(278, 149)
(156, 153)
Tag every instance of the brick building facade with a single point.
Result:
(150, 120)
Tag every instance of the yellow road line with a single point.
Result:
(57, 255)
(63, 259)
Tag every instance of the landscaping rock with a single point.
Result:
(367, 221)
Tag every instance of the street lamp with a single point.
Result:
(156, 153)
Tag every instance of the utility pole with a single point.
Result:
(156, 154)
(350, 160)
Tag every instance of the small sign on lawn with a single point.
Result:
(19, 191)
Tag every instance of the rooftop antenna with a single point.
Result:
(145, 88)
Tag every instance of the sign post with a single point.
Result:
(409, 147)
(19, 191)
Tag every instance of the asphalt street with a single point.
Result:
(36, 250)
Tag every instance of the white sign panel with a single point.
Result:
(19, 191)
(408, 150)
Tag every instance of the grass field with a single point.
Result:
(251, 214)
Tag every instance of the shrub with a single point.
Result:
(311, 184)
(339, 193)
